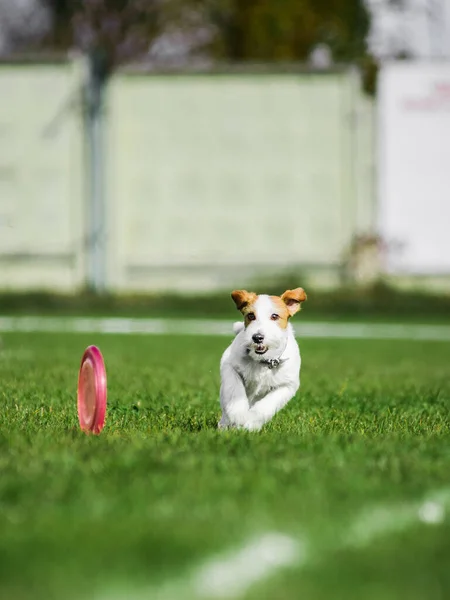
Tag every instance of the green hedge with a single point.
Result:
(377, 302)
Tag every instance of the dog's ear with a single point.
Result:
(242, 298)
(293, 299)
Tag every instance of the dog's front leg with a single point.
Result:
(233, 398)
(261, 412)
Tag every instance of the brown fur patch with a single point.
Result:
(293, 299)
(285, 306)
(244, 302)
(242, 298)
(246, 312)
(282, 310)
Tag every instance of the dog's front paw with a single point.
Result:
(253, 424)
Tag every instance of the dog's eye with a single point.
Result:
(251, 316)
(274, 317)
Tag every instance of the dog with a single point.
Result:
(260, 370)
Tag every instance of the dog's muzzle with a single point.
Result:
(261, 349)
(258, 339)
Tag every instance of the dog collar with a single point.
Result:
(273, 363)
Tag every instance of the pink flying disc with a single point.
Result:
(92, 391)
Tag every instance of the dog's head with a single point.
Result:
(266, 320)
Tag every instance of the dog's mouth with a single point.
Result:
(261, 349)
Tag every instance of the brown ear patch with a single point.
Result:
(242, 298)
(281, 310)
(293, 299)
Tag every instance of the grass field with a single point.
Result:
(135, 512)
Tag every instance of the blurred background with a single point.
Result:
(184, 147)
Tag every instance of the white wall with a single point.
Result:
(210, 179)
(41, 198)
(228, 176)
(414, 166)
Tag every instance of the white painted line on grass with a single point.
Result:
(127, 326)
(382, 520)
(232, 575)
(228, 575)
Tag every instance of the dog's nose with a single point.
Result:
(257, 338)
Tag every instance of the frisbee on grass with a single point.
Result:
(92, 391)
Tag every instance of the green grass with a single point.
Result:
(161, 490)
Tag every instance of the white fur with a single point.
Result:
(251, 393)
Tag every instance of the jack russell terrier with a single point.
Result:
(260, 370)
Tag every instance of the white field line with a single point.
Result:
(382, 520)
(216, 327)
(232, 574)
